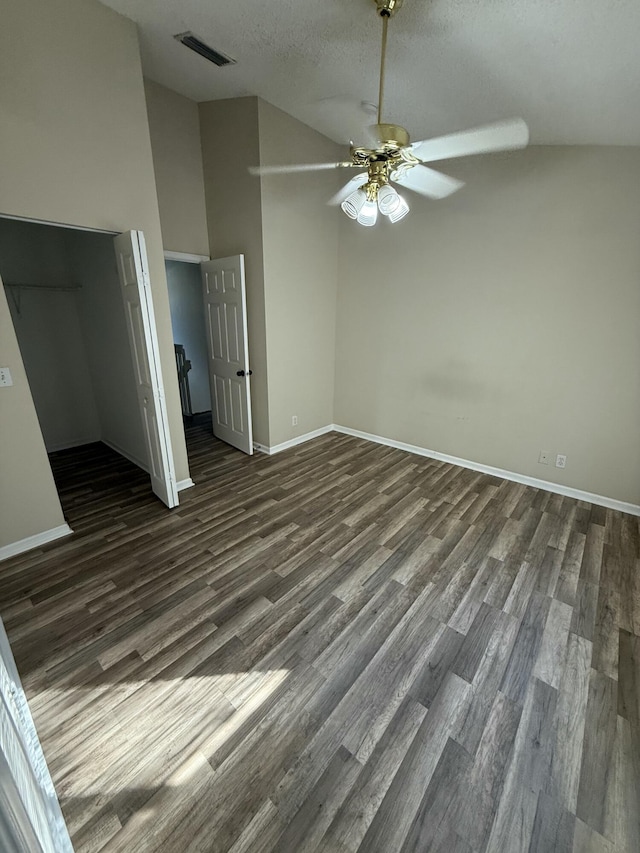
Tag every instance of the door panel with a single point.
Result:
(223, 288)
(30, 816)
(136, 292)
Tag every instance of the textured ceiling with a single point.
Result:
(570, 68)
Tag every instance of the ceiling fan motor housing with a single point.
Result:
(387, 8)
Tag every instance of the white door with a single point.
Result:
(141, 326)
(30, 816)
(225, 306)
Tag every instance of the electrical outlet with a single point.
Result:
(294, 420)
(561, 461)
(5, 377)
(544, 457)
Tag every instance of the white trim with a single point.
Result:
(185, 257)
(76, 442)
(34, 541)
(545, 485)
(293, 442)
(138, 462)
(58, 224)
(181, 485)
(557, 488)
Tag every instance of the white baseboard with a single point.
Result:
(293, 442)
(557, 488)
(181, 485)
(76, 442)
(126, 454)
(34, 541)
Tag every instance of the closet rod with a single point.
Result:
(44, 286)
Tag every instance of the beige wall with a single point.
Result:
(504, 320)
(230, 144)
(300, 240)
(107, 344)
(22, 512)
(289, 238)
(74, 148)
(174, 126)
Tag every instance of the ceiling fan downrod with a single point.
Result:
(386, 9)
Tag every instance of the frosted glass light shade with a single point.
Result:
(388, 199)
(400, 211)
(353, 203)
(368, 213)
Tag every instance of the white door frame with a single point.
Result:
(29, 807)
(185, 257)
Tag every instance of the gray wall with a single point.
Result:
(504, 320)
(174, 125)
(48, 325)
(300, 243)
(234, 216)
(74, 344)
(187, 319)
(289, 238)
(74, 148)
(107, 345)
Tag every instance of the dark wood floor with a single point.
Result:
(340, 648)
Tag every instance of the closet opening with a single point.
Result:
(74, 332)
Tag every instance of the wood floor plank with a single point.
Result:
(598, 768)
(472, 810)
(339, 648)
(399, 808)
(570, 722)
(432, 811)
(553, 827)
(355, 815)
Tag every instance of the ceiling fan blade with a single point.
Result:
(426, 181)
(295, 167)
(500, 136)
(348, 188)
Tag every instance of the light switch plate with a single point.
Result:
(5, 377)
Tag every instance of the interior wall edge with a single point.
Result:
(35, 541)
(514, 476)
(271, 450)
(130, 456)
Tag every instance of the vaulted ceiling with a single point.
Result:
(570, 68)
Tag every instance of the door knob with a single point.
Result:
(242, 373)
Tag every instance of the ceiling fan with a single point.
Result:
(388, 157)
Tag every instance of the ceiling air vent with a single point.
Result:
(194, 43)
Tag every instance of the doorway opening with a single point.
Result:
(208, 305)
(184, 282)
(66, 303)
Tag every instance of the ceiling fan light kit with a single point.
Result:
(352, 204)
(388, 199)
(368, 213)
(388, 156)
